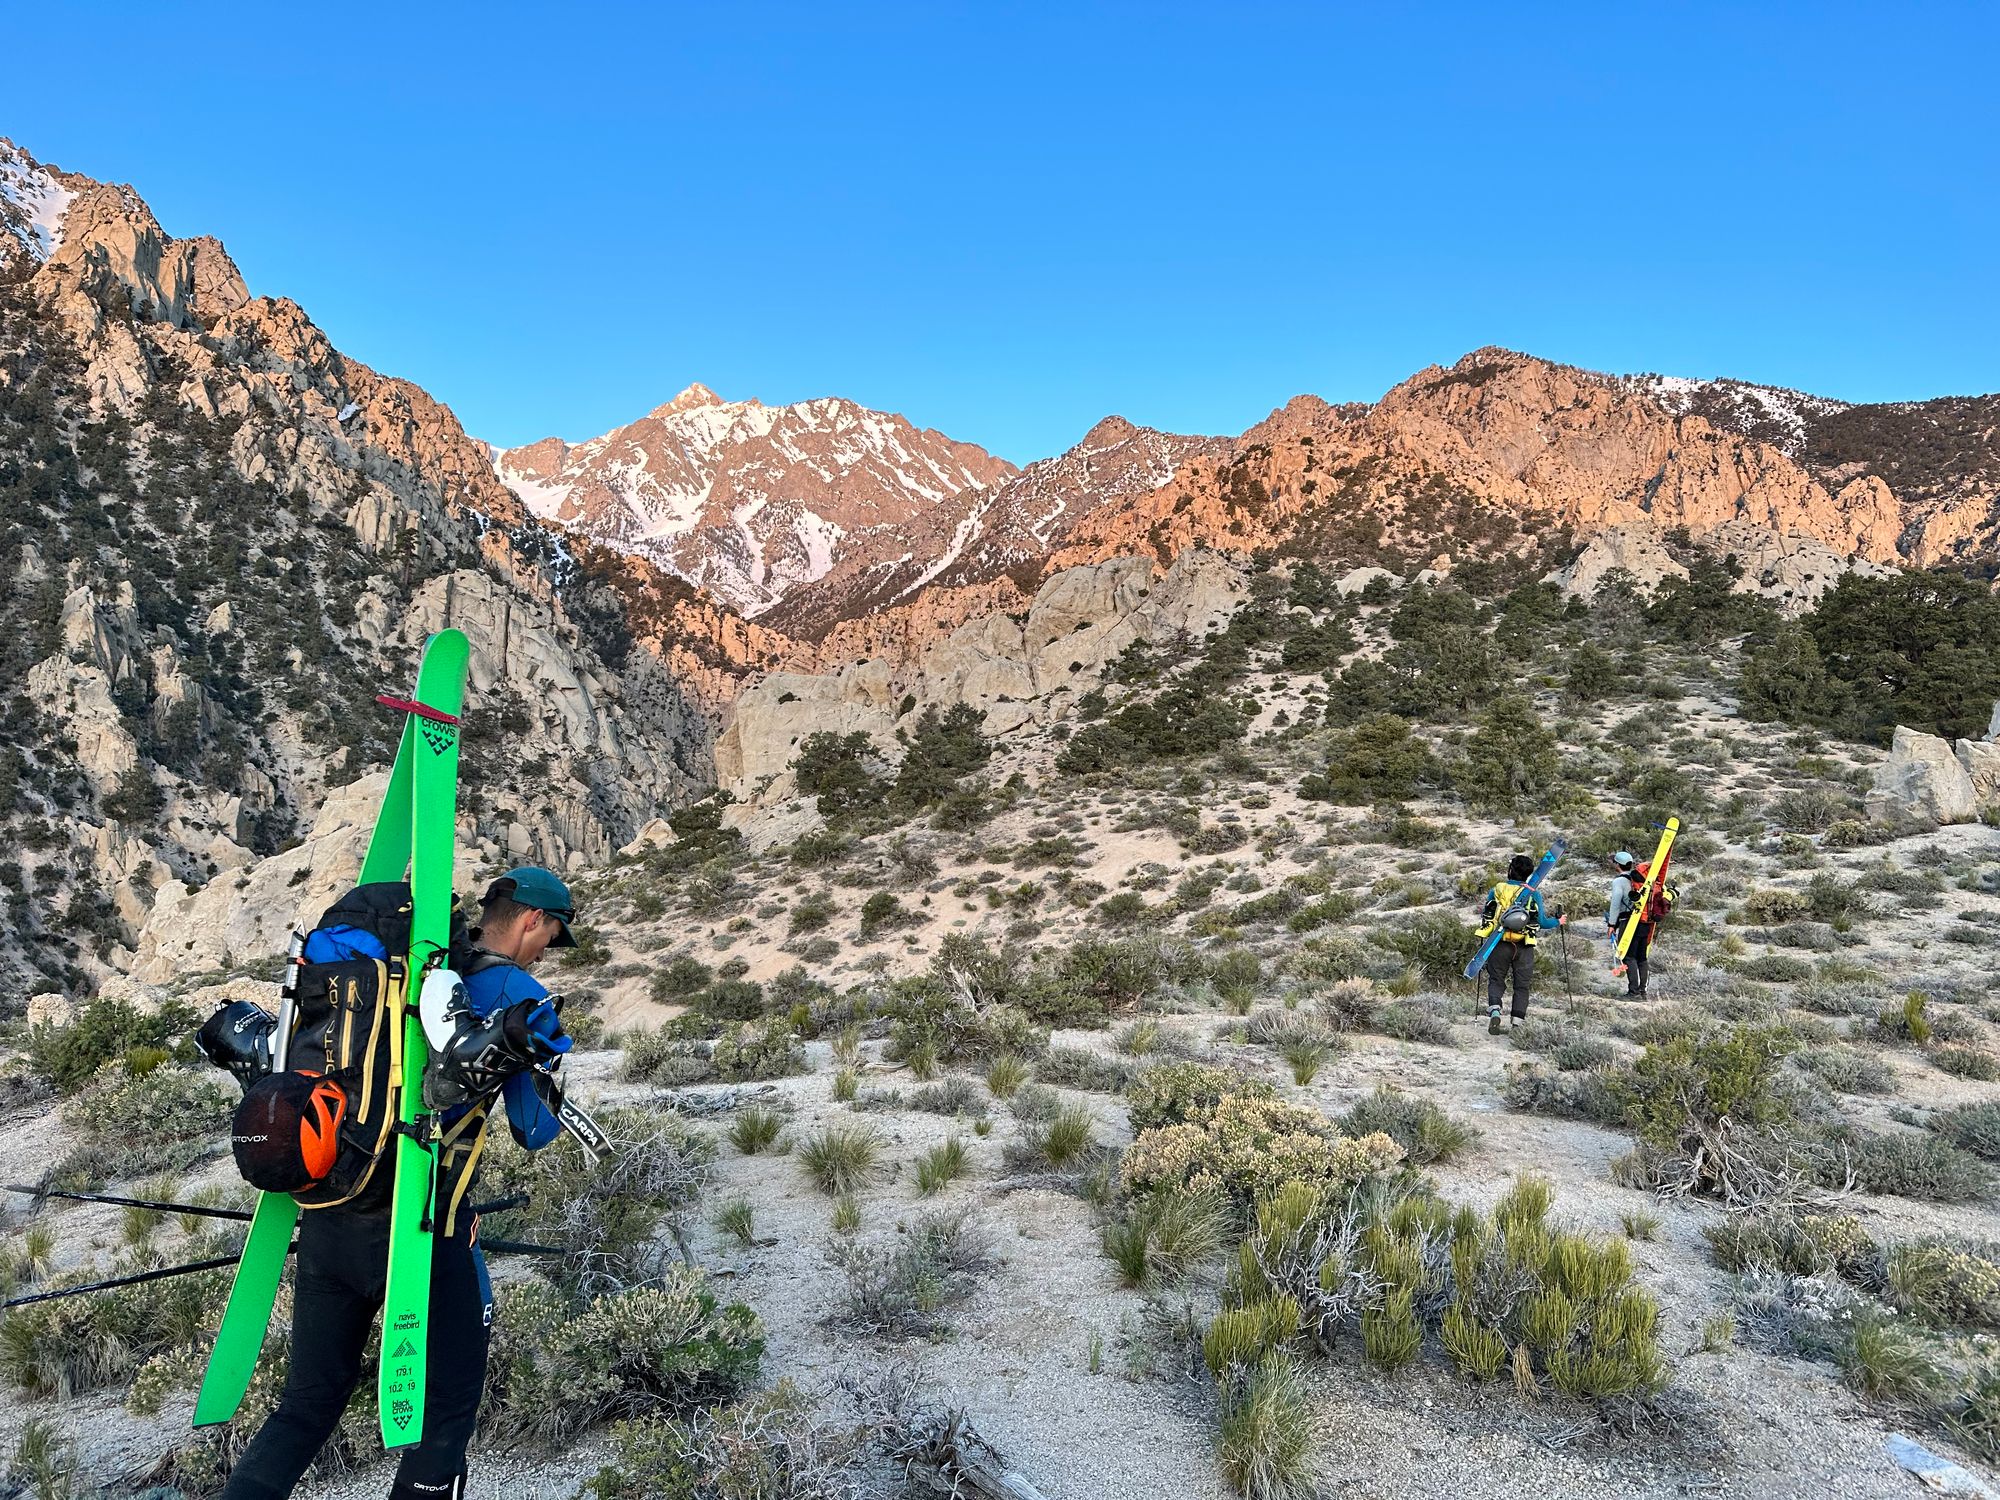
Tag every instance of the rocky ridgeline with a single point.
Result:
(239, 537)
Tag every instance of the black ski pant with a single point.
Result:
(343, 1271)
(1635, 959)
(1515, 962)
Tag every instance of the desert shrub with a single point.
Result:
(1077, 1068)
(1348, 1004)
(1246, 1146)
(1180, 1093)
(557, 1369)
(769, 1445)
(1704, 1105)
(1971, 1127)
(1436, 943)
(1905, 1164)
(1966, 1062)
(1058, 1139)
(1426, 1019)
(1809, 809)
(60, 1349)
(1954, 1285)
(1584, 1095)
(659, 1057)
(954, 1096)
(608, 1219)
(841, 1158)
(1848, 1070)
(1565, 1044)
(812, 911)
(1378, 760)
(903, 1290)
(950, 1018)
(1426, 1133)
(941, 1166)
(1799, 1244)
(750, 1054)
(680, 978)
(1907, 1020)
(1772, 906)
(1774, 968)
(129, 1125)
(67, 1057)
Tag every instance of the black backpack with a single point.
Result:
(320, 1127)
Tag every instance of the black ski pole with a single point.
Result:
(203, 1210)
(158, 1274)
(161, 1273)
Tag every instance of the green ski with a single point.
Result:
(432, 738)
(246, 1316)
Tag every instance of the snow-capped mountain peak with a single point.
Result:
(745, 499)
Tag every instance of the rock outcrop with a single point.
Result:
(1016, 671)
(247, 914)
(288, 525)
(1922, 779)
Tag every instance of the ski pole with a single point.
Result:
(117, 1281)
(203, 1210)
(1562, 936)
(161, 1273)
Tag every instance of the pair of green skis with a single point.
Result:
(416, 831)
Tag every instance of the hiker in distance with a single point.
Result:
(503, 1031)
(1627, 882)
(1512, 962)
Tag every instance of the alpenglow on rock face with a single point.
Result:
(747, 500)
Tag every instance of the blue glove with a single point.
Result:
(535, 1030)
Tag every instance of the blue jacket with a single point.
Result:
(493, 989)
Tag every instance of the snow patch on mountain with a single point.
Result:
(1769, 413)
(32, 203)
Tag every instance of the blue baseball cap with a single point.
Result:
(531, 885)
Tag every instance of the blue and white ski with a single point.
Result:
(1528, 887)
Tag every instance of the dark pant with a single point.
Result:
(1635, 959)
(1514, 961)
(343, 1270)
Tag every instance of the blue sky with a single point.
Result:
(1006, 221)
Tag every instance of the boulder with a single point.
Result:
(1354, 580)
(1981, 760)
(769, 827)
(657, 834)
(1922, 778)
(1993, 724)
